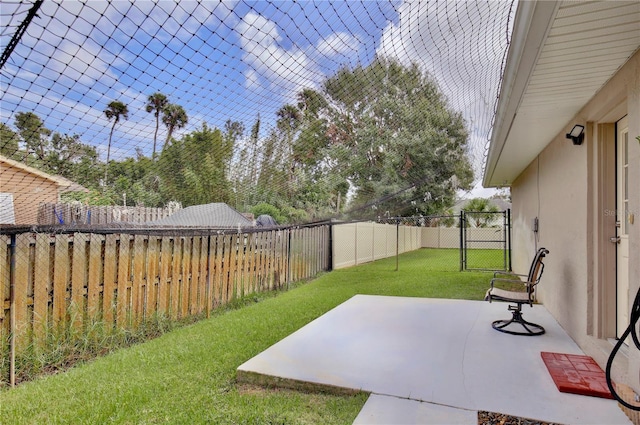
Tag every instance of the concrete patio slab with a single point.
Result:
(380, 409)
(421, 357)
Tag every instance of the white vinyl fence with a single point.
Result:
(358, 243)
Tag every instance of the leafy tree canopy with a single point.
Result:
(388, 131)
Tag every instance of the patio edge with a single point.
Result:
(269, 381)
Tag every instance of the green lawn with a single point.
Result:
(487, 259)
(188, 375)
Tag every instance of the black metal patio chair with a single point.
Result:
(518, 298)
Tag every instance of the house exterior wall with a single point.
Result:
(570, 189)
(28, 191)
(553, 188)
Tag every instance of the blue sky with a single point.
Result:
(235, 59)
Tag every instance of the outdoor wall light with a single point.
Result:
(576, 134)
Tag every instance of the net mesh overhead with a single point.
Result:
(235, 66)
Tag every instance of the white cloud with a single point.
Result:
(288, 70)
(340, 43)
(282, 70)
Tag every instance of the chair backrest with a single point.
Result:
(537, 267)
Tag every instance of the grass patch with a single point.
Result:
(486, 259)
(188, 374)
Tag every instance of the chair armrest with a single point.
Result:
(498, 273)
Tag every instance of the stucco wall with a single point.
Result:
(28, 190)
(563, 187)
(553, 189)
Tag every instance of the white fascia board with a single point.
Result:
(531, 27)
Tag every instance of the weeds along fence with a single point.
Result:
(50, 280)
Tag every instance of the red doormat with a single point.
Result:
(576, 374)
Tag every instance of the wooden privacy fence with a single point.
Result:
(51, 214)
(122, 279)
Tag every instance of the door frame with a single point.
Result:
(601, 318)
(622, 230)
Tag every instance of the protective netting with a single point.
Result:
(301, 110)
(160, 160)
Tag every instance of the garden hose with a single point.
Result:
(631, 329)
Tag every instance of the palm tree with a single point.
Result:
(115, 110)
(174, 117)
(482, 211)
(156, 104)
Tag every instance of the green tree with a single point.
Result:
(137, 181)
(8, 141)
(245, 169)
(156, 104)
(34, 134)
(174, 117)
(481, 212)
(394, 137)
(115, 110)
(193, 169)
(66, 153)
(268, 209)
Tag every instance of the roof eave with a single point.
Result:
(532, 23)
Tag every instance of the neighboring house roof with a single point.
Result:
(216, 215)
(60, 181)
(73, 186)
(561, 54)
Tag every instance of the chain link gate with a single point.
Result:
(485, 240)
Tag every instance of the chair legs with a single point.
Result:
(531, 329)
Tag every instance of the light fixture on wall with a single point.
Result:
(576, 134)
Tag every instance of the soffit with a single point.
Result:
(549, 78)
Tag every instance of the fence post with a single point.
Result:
(508, 230)
(330, 247)
(13, 327)
(462, 228)
(397, 242)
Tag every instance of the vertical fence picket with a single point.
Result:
(110, 278)
(210, 277)
(93, 277)
(278, 259)
(41, 286)
(60, 279)
(234, 272)
(186, 270)
(137, 283)
(78, 280)
(240, 274)
(203, 277)
(195, 275)
(257, 243)
(5, 281)
(175, 276)
(272, 281)
(250, 259)
(21, 284)
(226, 273)
(163, 278)
(151, 277)
(217, 272)
(122, 295)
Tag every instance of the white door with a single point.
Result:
(622, 225)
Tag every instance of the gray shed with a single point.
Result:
(216, 215)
